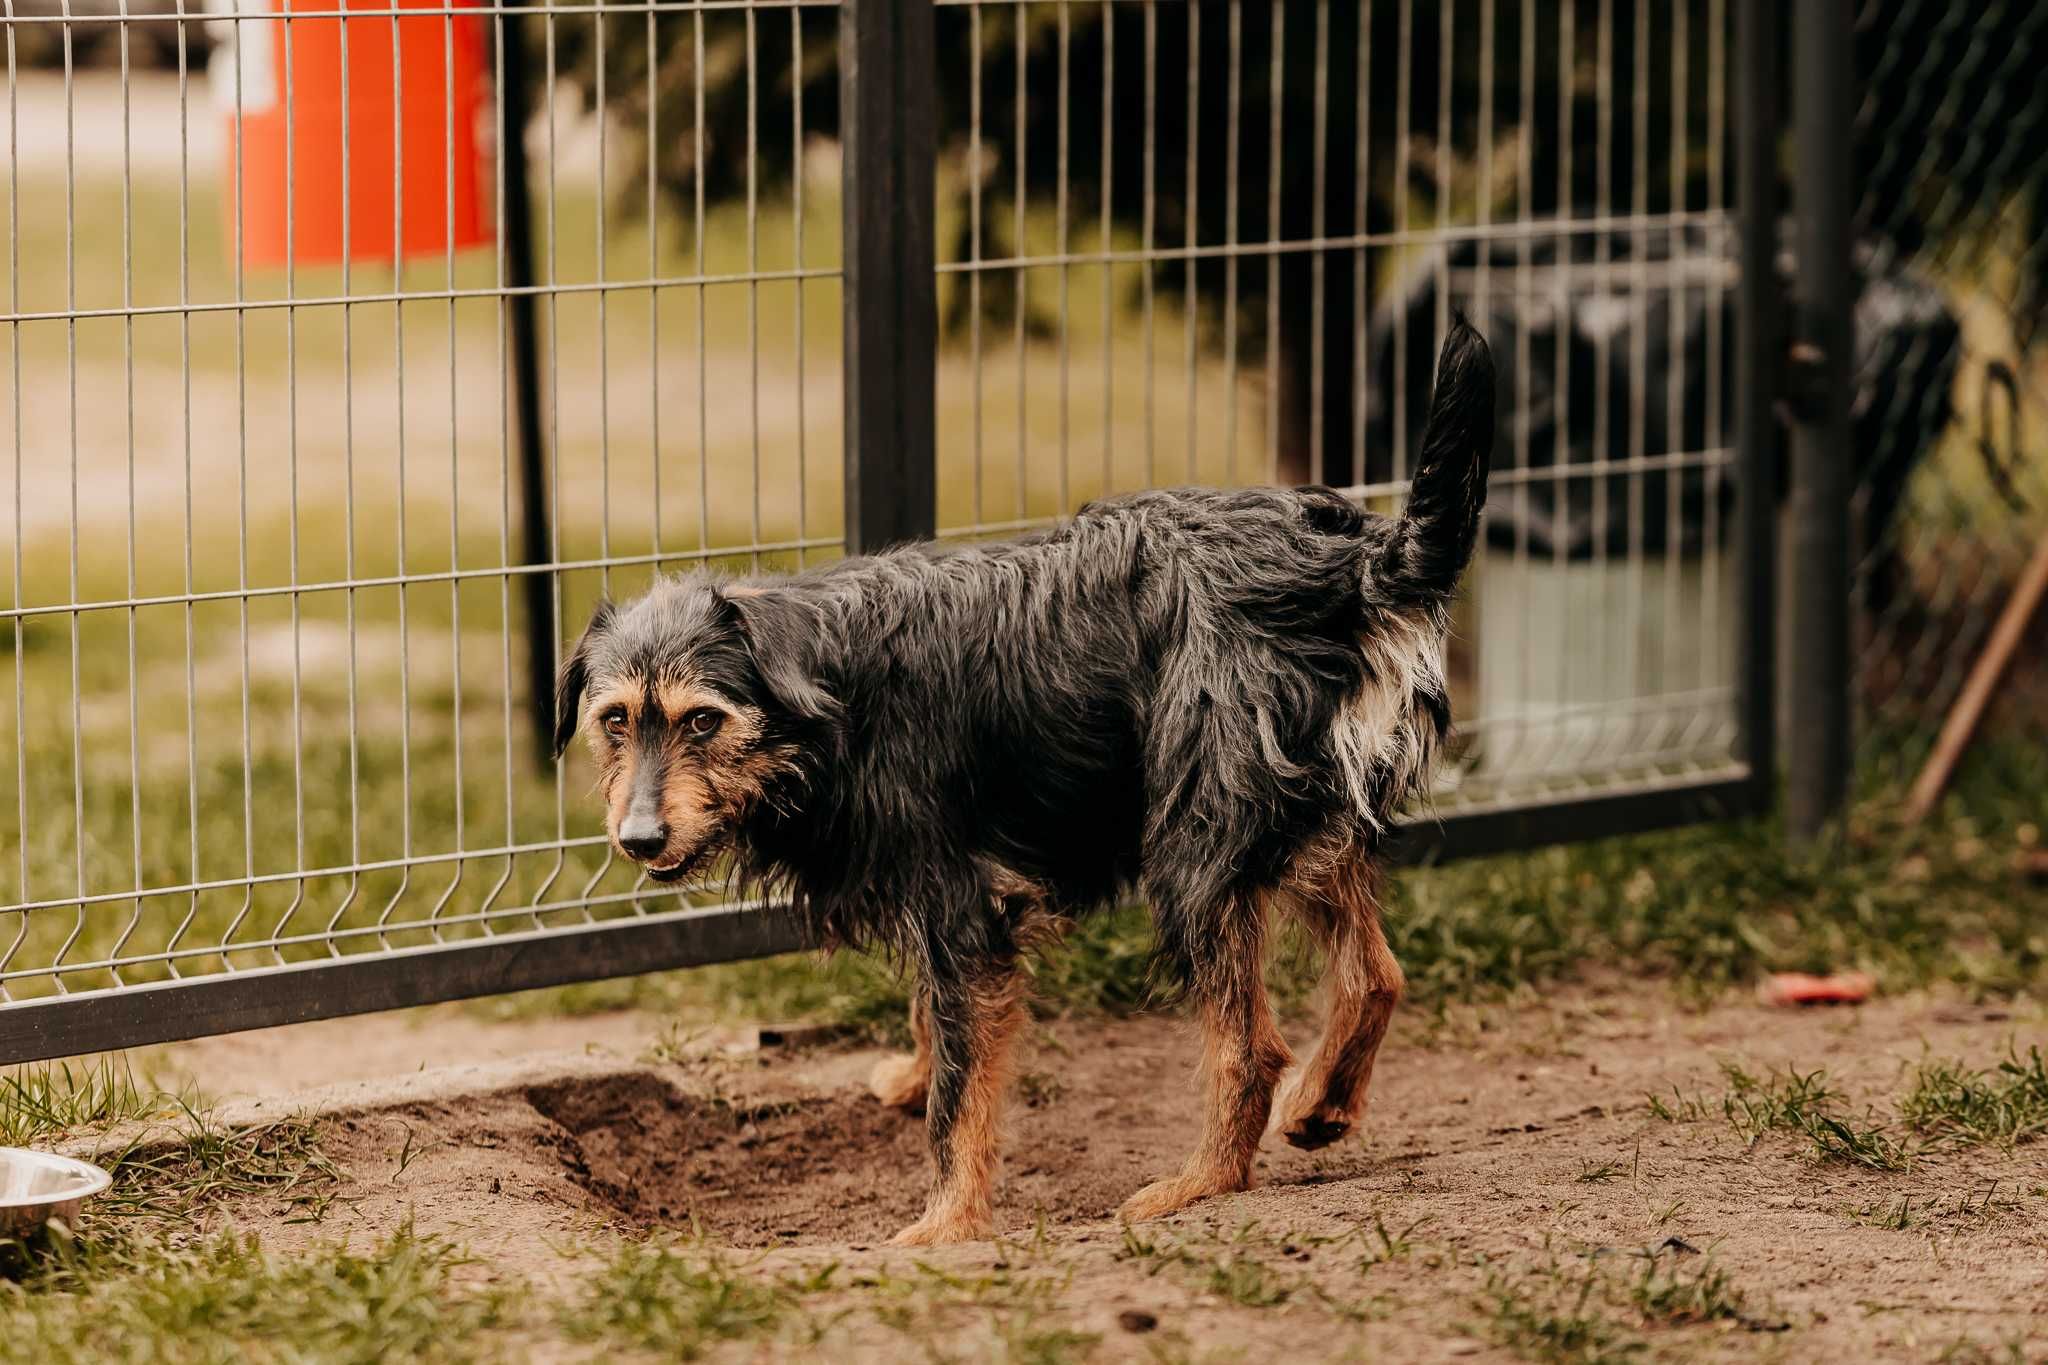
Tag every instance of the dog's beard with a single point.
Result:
(720, 840)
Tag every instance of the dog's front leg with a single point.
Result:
(902, 1080)
(973, 1022)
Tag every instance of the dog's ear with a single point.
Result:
(782, 639)
(575, 675)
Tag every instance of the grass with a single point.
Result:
(1804, 1104)
(1580, 1314)
(40, 1102)
(1257, 1267)
(280, 1162)
(1552, 1316)
(1799, 1103)
(1974, 1208)
(1953, 1105)
(150, 1273)
(226, 1298)
(1949, 1105)
(658, 1298)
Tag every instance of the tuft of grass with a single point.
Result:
(666, 1299)
(1973, 1208)
(1964, 1351)
(1954, 1105)
(1949, 1105)
(1896, 1216)
(1676, 1298)
(1802, 1103)
(1577, 1315)
(225, 1298)
(1384, 1247)
(1755, 1105)
(42, 1102)
(1553, 1316)
(1836, 1139)
(1023, 1343)
(210, 1164)
(1247, 1281)
(1679, 1108)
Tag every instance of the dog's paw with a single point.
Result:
(937, 1229)
(1171, 1195)
(901, 1082)
(1316, 1129)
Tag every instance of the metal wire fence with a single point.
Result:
(268, 692)
(1952, 499)
(306, 451)
(1238, 271)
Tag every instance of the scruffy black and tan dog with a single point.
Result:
(1217, 699)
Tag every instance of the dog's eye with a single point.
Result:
(614, 722)
(703, 723)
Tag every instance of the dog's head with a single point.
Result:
(701, 698)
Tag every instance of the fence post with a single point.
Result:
(1758, 365)
(888, 116)
(523, 346)
(1823, 101)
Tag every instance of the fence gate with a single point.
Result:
(314, 469)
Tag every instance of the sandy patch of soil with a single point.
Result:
(1507, 1149)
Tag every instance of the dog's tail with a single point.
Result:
(1432, 541)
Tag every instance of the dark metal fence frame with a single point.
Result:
(888, 146)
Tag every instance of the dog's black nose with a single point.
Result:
(643, 839)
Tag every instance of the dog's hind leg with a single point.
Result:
(1362, 983)
(1243, 1058)
(902, 1080)
(973, 1022)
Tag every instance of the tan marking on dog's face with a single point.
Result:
(622, 694)
(679, 697)
(710, 779)
(614, 713)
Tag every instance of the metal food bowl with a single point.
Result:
(38, 1186)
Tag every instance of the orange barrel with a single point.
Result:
(414, 102)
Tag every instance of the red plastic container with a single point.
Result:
(412, 102)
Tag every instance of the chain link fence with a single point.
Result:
(1951, 415)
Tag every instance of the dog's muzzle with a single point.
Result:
(694, 862)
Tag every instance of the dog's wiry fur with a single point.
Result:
(1218, 699)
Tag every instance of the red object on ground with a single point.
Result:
(413, 87)
(1797, 988)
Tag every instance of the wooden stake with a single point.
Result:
(1961, 725)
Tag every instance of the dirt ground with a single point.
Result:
(1510, 1154)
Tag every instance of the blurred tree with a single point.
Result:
(1952, 134)
(1222, 72)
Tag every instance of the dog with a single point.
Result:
(1217, 699)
